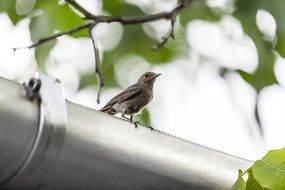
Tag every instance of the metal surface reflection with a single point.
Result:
(102, 152)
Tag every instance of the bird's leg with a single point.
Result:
(123, 116)
(131, 118)
(134, 122)
(151, 128)
(137, 122)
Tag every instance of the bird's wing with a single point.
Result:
(123, 96)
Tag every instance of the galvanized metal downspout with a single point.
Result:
(97, 151)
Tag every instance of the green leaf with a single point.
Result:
(251, 183)
(240, 183)
(116, 8)
(197, 10)
(270, 170)
(276, 7)
(55, 18)
(42, 51)
(264, 75)
(91, 79)
(8, 6)
(246, 13)
(144, 117)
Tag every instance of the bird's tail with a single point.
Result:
(108, 110)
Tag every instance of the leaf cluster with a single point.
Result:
(265, 174)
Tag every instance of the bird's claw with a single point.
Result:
(151, 128)
(136, 124)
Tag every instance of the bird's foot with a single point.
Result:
(151, 128)
(136, 123)
(124, 117)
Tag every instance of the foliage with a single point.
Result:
(60, 17)
(246, 13)
(267, 173)
(55, 17)
(240, 183)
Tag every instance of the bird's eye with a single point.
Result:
(146, 75)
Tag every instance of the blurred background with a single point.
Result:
(223, 76)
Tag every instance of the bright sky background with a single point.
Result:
(191, 100)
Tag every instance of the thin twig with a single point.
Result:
(46, 39)
(108, 19)
(164, 39)
(172, 15)
(100, 79)
(142, 19)
(78, 7)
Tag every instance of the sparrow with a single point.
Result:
(133, 99)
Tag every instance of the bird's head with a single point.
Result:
(148, 78)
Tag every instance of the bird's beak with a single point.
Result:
(157, 75)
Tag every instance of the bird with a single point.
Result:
(133, 99)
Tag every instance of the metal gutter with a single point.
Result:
(99, 151)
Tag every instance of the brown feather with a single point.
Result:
(134, 98)
(123, 96)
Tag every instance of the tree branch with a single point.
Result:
(52, 37)
(164, 39)
(171, 15)
(78, 7)
(100, 79)
(123, 20)
(142, 19)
